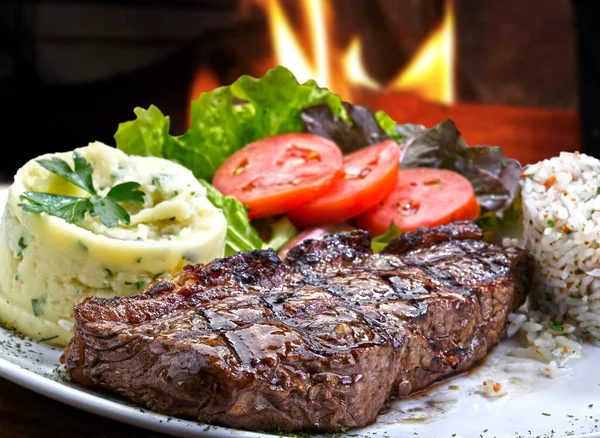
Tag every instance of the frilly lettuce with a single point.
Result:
(226, 119)
(241, 235)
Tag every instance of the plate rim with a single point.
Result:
(134, 416)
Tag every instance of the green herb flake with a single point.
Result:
(109, 272)
(139, 284)
(37, 305)
(598, 190)
(546, 414)
(591, 405)
(579, 271)
(138, 260)
(551, 222)
(556, 326)
(548, 296)
(22, 245)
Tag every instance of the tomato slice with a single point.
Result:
(369, 175)
(423, 197)
(277, 174)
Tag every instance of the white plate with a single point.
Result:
(533, 405)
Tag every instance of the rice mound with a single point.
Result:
(561, 225)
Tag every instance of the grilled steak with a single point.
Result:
(317, 342)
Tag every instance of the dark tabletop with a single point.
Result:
(24, 413)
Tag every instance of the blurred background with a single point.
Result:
(518, 74)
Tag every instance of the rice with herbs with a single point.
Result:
(561, 224)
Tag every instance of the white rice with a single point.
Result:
(561, 224)
(553, 343)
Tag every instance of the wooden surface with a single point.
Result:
(526, 134)
(25, 414)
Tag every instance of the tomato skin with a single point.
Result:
(423, 197)
(370, 174)
(276, 174)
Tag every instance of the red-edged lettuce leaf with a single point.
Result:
(363, 129)
(495, 178)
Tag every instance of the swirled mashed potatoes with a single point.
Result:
(47, 264)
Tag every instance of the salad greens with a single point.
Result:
(226, 119)
(282, 230)
(363, 129)
(73, 209)
(230, 117)
(378, 243)
(241, 235)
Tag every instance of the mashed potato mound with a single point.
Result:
(47, 264)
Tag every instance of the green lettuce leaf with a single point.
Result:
(282, 230)
(241, 235)
(398, 132)
(225, 120)
(378, 243)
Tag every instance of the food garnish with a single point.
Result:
(241, 235)
(229, 118)
(73, 209)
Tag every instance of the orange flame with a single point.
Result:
(430, 74)
(354, 68)
(288, 49)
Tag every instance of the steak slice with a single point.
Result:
(317, 342)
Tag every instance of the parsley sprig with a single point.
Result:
(73, 209)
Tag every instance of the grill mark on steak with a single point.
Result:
(317, 342)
